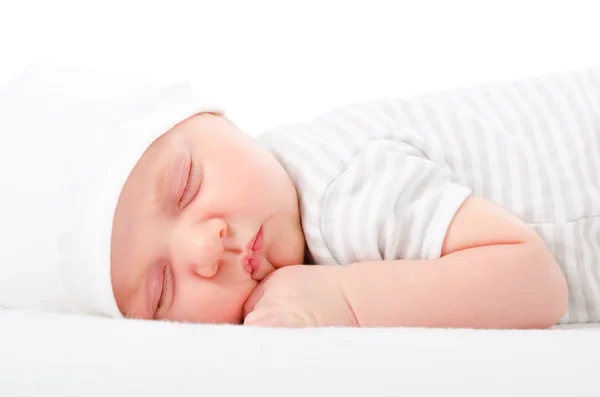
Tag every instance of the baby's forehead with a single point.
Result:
(157, 153)
(170, 138)
(160, 144)
(176, 139)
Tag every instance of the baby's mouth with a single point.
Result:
(253, 260)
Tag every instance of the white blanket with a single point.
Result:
(68, 355)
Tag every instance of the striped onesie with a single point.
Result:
(381, 180)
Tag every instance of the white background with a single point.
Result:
(271, 62)
(277, 62)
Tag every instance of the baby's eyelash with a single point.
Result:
(191, 179)
(163, 291)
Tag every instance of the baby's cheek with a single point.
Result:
(211, 305)
(226, 310)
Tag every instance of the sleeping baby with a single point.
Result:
(474, 208)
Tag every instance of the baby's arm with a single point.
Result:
(495, 272)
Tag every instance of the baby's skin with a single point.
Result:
(208, 229)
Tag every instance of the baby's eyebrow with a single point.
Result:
(139, 306)
(159, 185)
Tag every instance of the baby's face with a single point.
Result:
(203, 217)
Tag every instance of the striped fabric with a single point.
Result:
(381, 180)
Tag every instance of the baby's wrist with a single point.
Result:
(343, 278)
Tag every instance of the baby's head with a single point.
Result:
(205, 215)
(151, 204)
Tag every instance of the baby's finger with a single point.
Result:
(253, 299)
(270, 318)
(256, 298)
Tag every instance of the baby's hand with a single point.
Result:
(300, 296)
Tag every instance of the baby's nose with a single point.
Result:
(201, 249)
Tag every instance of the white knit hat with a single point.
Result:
(89, 129)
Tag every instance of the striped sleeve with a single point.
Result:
(382, 180)
(392, 202)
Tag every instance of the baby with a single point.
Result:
(475, 208)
